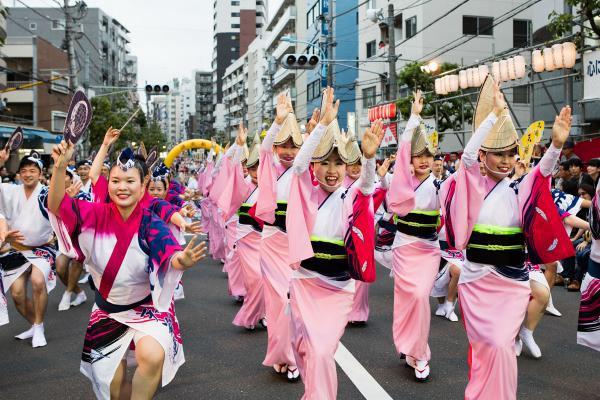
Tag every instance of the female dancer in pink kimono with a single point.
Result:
(277, 154)
(135, 263)
(239, 196)
(486, 215)
(416, 250)
(235, 279)
(321, 290)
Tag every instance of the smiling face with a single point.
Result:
(30, 175)
(438, 167)
(353, 171)
(286, 153)
(84, 172)
(104, 171)
(253, 172)
(499, 165)
(125, 188)
(157, 189)
(422, 164)
(330, 172)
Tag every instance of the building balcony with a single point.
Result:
(286, 24)
(283, 76)
(18, 96)
(283, 48)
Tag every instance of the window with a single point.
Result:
(313, 14)
(521, 33)
(235, 26)
(313, 90)
(235, 14)
(233, 37)
(58, 121)
(57, 24)
(411, 26)
(235, 3)
(521, 95)
(369, 97)
(32, 26)
(61, 84)
(371, 49)
(473, 25)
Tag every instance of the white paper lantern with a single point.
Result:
(453, 83)
(503, 70)
(520, 69)
(557, 55)
(548, 59)
(470, 77)
(537, 61)
(511, 69)
(476, 81)
(438, 86)
(569, 54)
(496, 71)
(462, 79)
(483, 73)
(447, 85)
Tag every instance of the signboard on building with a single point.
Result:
(591, 75)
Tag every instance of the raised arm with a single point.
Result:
(61, 154)
(283, 108)
(110, 137)
(370, 143)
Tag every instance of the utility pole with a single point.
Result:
(393, 87)
(69, 45)
(330, 44)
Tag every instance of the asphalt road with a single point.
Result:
(224, 362)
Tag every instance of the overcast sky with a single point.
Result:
(170, 38)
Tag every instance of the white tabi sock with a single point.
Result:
(28, 334)
(39, 340)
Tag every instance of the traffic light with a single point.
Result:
(157, 89)
(300, 61)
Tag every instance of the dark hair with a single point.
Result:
(589, 189)
(438, 158)
(594, 162)
(27, 162)
(163, 181)
(576, 162)
(142, 161)
(565, 165)
(82, 163)
(570, 187)
(455, 152)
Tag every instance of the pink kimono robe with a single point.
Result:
(274, 187)
(321, 290)
(239, 196)
(130, 264)
(493, 298)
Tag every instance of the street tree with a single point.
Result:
(449, 116)
(562, 23)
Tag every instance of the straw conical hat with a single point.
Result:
(353, 149)
(254, 151)
(503, 135)
(333, 139)
(290, 128)
(245, 154)
(422, 141)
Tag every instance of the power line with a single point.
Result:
(514, 11)
(350, 9)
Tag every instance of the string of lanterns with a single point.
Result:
(560, 55)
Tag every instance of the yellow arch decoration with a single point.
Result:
(188, 145)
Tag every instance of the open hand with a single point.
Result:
(190, 255)
(13, 237)
(417, 104)
(242, 135)
(314, 120)
(384, 167)
(330, 110)
(372, 139)
(561, 127)
(74, 189)
(283, 108)
(194, 227)
(499, 101)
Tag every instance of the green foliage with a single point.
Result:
(114, 111)
(562, 23)
(449, 112)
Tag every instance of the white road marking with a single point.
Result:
(364, 382)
